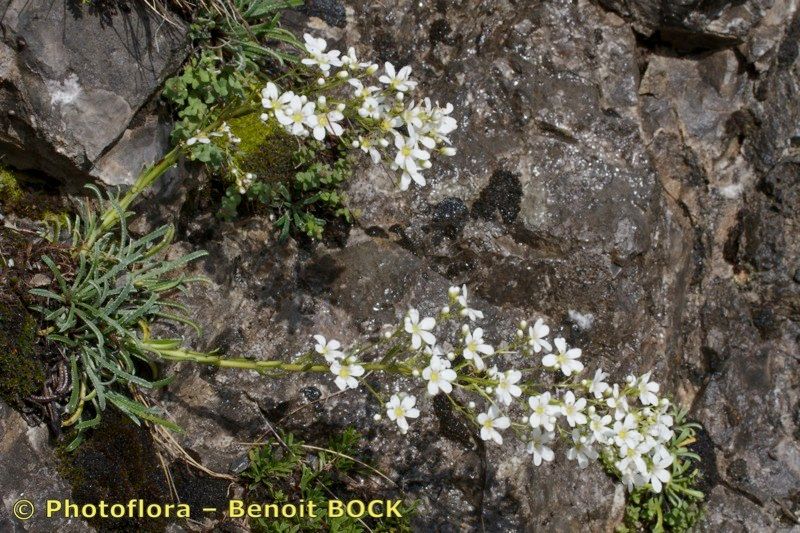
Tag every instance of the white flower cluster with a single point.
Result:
(382, 119)
(628, 423)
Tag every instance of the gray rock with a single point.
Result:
(74, 76)
(598, 173)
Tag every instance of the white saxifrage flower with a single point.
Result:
(563, 359)
(327, 121)
(408, 159)
(660, 472)
(647, 390)
(599, 426)
(625, 434)
(328, 349)
(582, 450)
(346, 374)
(420, 330)
(297, 115)
(543, 414)
(397, 80)
(572, 409)
(618, 402)
(474, 346)
(318, 56)
(536, 336)
(507, 388)
(538, 446)
(490, 422)
(473, 314)
(399, 408)
(598, 387)
(199, 138)
(439, 376)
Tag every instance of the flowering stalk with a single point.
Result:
(627, 424)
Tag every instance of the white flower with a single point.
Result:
(647, 390)
(318, 56)
(399, 81)
(371, 107)
(329, 350)
(328, 121)
(660, 473)
(408, 158)
(360, 90)
(473, 314)
(200, 138)
(506, 388)
(565, 360)
(351, 61)
(572, 409)
(346, 374)
(420, 330)
(631, 459)
(490, 422)
(398, 408)
(474, 346)
(581, 450)
(625, 434)
(272, 100)
(662, 428)
(296, 115)
(599, 427)
(538, 446)
(368, 146)
(543, 414)
(439, 375)
(618, 403)
(536, 336)
(598, 387)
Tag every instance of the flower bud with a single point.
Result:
(489, 390)
(342, 74)
(471, 405)
(340, 107)
(415, 373)
(321, 81)
(453, 292)
(377, 418)
(523, 324)
(355, 144)
(445, 309)
(372, 69)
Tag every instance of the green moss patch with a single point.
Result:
(266, 149)
(21, 370)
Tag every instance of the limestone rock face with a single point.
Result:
(73, 78)
(628, 170)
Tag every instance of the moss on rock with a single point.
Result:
(28, 197)
(265, 149)
(22, 372)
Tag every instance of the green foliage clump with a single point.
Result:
(298, 183)
(680, 505)
(115, 286)
(286, 471)
(205, 82)
(21, 369)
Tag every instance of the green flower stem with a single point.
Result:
(251, 364)
(151, 174)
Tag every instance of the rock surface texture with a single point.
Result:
(72, 79)
(628, 170)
